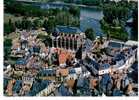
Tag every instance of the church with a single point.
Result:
(69, 38)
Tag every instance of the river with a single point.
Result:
(89, 17)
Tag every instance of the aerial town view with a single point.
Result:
(70, 48)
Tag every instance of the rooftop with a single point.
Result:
(38, 86)
(47, 72)
(106, 65)
(66, 29)
(115, 44)
(21, 61)
(63, 90)
(64, 72)
(131, 43)
(17, 86)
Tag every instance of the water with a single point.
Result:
(91, 13)
(89, 18)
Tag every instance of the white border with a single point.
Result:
(1, 47)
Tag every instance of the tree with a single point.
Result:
(115, 15)
(45, 23)
(26, 24)
(74, 10)
(7, 42)
(116, 23)
(50, 24)
(29, 24)
(18, 24)
(37, 23)
(90, 34)
(135, 24)
(115, 12)
(7, 47)
(108, 35)
(9, 27)
(101, 39)
(91, 2)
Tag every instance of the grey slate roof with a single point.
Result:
(66, 29)
(87, 45)
(37, 87)
(17, 86)
(64, 91)
(115, 45)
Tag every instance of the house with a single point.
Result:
(117, 92)
(129, 91)
(120, 59)
(72, 71)
(37, 87)
(24, 44)
(21, 63)
(47, 72)
(62, 58)
(30, 50)
(104, 82)
(120, 63)
(104, 69)
(93, 83)
(7, 67)
(87, 45)
(9, 88)
(71, 76)
(64, 91)
(113, 44)
(80, 83)
(131, 43)
(42, 55)
(46, 91)
(85, 74)
(17, 86)
(5, 83)
(120, 56)
(65, 58)
(16, 47)
(91, 65)
(83, 86)
(78, 70)
(24, 35)
(62, 72)
(36, 49)
(70, 83)
(34, 33)
(26, 85)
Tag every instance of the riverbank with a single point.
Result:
(88, 16)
